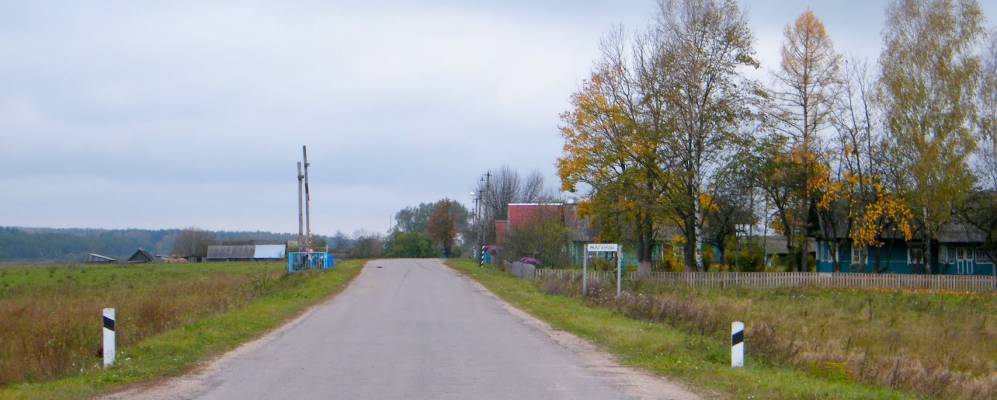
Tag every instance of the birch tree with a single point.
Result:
(929, 84)
(706, 42)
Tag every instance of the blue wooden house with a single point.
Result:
(954, 251)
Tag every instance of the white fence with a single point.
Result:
(774, 280)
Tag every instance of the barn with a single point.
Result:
(246, 252)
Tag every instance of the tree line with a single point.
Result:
(669, 130)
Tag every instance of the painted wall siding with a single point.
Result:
(892, 258)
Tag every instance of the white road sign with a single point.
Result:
(593, 247)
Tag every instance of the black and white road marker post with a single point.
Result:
(737, 344)
(108, 337)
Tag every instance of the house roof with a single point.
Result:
(100, 257)
(960, 233)
(777, 244)
(141, 256)
(221, 252)
(521, 214)
(246, 251)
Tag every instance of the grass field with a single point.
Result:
(169, 317)
(699, 357)
(938, 344)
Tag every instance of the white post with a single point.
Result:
(108, 337)
(737, 344)
(619, 271)
(585, 270)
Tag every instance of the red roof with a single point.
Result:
(522, 214)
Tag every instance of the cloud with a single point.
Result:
(170, 114)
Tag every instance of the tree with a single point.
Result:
(545, 238)
(856, 196)
(414, 219)
(410, 245)
(706, 41)
(987, 162)
(804, 99)
(776, 170)
(367, 245)
(193, 242)
(928, 83)
(442, 226)
(504, 187)
(612, 140)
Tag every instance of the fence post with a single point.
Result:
(108, 337)
(737, 344)
(585, 271)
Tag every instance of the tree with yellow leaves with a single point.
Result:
(929, 83)
(611, 138)
(802, 106)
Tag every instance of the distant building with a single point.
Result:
(94, 258)
(141, 257)
(246, 252)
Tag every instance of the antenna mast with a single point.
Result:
(308, 199)
(301, 218)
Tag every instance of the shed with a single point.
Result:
(141, 256)
(246, 252)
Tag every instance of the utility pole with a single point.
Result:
(484, 216)
(301, 218)
(308, 199)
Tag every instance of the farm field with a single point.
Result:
(800, 343)
(169, 317)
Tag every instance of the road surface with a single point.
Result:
(414, 329)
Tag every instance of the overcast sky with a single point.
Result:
(185, 113)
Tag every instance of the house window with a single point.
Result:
(982, 257)
(859, 255)
(915, 256)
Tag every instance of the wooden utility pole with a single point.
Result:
(308, 199)
(301, 218)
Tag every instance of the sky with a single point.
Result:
(115, 114)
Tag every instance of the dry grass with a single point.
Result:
(940, 345)
(51, 315)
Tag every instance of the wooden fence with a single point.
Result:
(773, 280)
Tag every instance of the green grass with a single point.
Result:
(170, 317)
(932, 343)
(701, 361)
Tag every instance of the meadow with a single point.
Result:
(169, 316)
(800, 343)
(938, 344)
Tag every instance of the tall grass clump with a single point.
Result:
(938, 344)
(51, 315)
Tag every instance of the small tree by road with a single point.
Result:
(442, 225)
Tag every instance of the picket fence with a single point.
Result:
(775, 280)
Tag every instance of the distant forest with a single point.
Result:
(72, 244)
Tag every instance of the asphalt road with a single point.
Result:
(414, 329)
